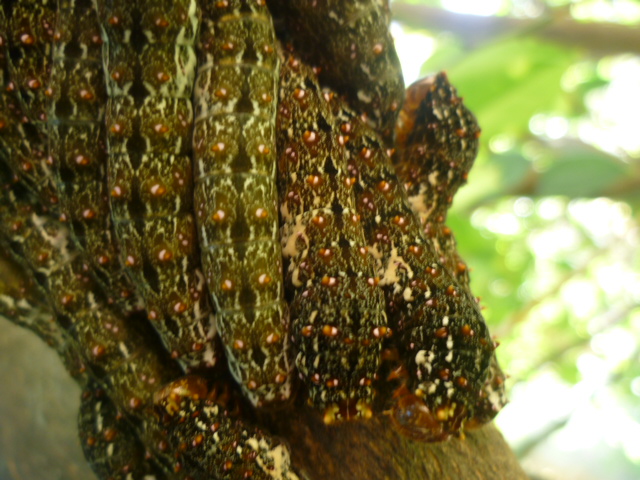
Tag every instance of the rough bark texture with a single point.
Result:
(374, 450)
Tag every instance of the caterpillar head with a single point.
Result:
(414, 419)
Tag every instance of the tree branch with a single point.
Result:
(599, 38)
(375, 450)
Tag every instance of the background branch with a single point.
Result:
(474, 30)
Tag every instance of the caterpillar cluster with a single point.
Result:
(124, 360)
(140, 140)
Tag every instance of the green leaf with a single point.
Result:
(581, 171)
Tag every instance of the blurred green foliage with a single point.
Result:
(549, 221)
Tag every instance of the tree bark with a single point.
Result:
(375, 450)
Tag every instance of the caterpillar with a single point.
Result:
(77, 143)
(337, 317)
(235, 193)
(121, 357)
(100, 426)
(149, 67)
(440, 334)
(109, 348)
(352, 46)
(26, 32)
(437, 145)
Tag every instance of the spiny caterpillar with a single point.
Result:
(236, 196)
(337, 316)
(77, 142)
(440, 334)
(150, 64)
(350, 43)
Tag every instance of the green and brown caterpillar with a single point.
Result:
(77, 143)
(26, 35)
(236, 196)
(439, 332)
(337, 315)
(150, 66)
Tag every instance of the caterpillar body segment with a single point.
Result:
(110, 443)
(236, 196)
(150, 62)
(77, 142)
(338, 321)
(440, 334)
(26, 35)
(201, 419)
(351, 45)
(24, 303)
(438, 140)
(31, 24)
